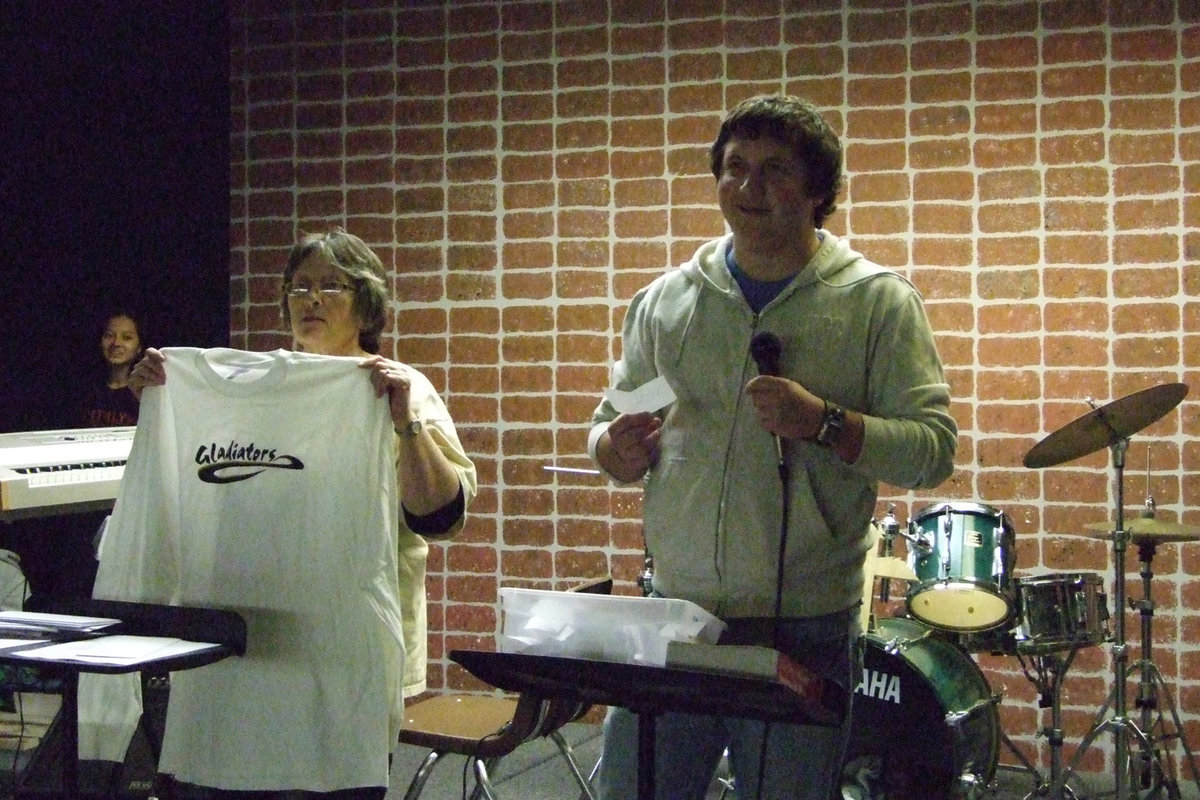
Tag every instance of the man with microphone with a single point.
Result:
(804, 376)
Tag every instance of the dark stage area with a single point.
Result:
(114, 189)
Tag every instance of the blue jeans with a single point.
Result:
(802, 762)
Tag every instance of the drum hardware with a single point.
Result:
(908, 638)
(890, 526)
(645, 579)
(882, 564)
(1025, 766)
(887, 566)
(1153, 691)
(1056, 614)
(955, 718)
(1046, 672)
(1111, 426)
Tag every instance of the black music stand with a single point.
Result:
(224, 630)
(649, 691)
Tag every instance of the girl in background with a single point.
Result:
(110, 403)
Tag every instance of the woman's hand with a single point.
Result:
(427, 479)
(393, 379)
(149, 371)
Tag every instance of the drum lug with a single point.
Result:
(921, 546)
(972, 786)
(897, 643)
(954, 719)
(947, 541)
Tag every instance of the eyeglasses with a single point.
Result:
(325, 288)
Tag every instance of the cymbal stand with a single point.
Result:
(1119, 723)
(1152, 689)
(1122, 727)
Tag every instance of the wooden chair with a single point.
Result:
(485, 728)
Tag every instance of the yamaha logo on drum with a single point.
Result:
(879, 685)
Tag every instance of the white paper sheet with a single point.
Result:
(7, 643)
(63, 622)
(116, 650)
(650, 396)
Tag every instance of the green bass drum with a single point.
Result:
(924, 721)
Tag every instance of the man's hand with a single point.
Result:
(785, 408)
(630, 446)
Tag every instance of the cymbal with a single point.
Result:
(1149, 529)
(892, 567)
(1105, 426)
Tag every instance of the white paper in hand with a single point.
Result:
(650, 396)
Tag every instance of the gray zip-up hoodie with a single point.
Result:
(854, 334)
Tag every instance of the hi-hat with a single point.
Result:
(1149, 529)
(1105, 426)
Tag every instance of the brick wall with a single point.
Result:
(526, 166)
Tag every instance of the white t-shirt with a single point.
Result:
(265, 483)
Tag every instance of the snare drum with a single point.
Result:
(1061, 612)
(963, 556)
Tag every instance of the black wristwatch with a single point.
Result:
(833, 422)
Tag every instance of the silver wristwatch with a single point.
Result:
(833, 422)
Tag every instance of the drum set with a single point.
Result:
(925, 722)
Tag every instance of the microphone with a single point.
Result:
(765, 349)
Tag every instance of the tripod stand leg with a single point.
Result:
(1026, 764)
(1059, 786)
(1162, 692)
(1123, 729)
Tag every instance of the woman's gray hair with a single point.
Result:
(350, 256)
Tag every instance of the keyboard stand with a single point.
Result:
(649, 691)
(225, 631)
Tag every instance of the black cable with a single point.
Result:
(777, 623)
(784, 506)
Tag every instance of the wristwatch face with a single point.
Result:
(413, 428)
(831, 426)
